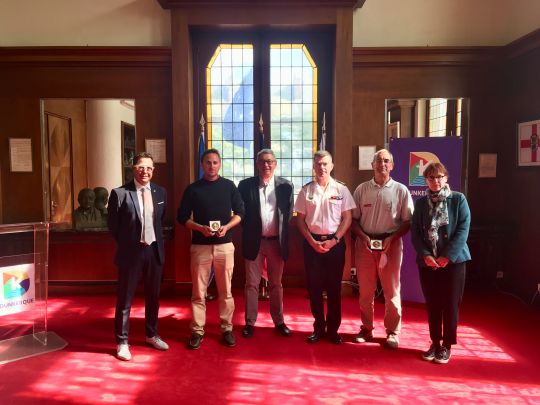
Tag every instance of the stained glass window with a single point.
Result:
(229, 88)
(292, 127)
(293, 111)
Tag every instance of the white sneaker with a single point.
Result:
(157, 343)
(392, 341)
(122, 352)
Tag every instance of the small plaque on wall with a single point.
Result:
(20, 154)
(365, 157)
(157, 148)
(487, 165)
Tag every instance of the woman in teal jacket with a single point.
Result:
(439, 231)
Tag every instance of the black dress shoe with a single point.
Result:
(228, 339)
(247, 332)
(315, 337)
(335, 338)
(283, 330)
(195, 341)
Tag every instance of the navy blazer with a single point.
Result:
(124, 221)
(252, 223)
(452, 242)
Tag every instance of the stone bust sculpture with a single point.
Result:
(102, 197)
(87, 215)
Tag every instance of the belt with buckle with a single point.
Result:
(379, 236)
(322, 238)
(270, 237)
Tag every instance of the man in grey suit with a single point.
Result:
(268, 201)
(136, 211)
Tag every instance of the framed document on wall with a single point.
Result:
(20, 154)
(157, 148)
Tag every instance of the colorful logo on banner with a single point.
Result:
(418, 162)
(18, 293)
(15, 284)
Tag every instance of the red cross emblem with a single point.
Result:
(531, 143)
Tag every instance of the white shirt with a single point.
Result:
(323, 206)
(382, 209)
(267, 199)
(147, 189)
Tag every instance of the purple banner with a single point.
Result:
(411, 156)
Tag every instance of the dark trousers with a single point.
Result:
(443, 291)
(324, 272)
(146, 266)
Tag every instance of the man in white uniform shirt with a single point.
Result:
(383, 215)
(268, 201)
(324, 215)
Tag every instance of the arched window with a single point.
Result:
(263, 76)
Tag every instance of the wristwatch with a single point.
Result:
(336, 238)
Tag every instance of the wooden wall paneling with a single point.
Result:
(343, 109)
(28, 75)
(183, 133)
(20, 118)
(518, 186)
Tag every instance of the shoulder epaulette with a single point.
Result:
(307, 184)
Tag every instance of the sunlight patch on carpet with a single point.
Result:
(270, 383)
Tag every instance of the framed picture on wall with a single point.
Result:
(528, 153)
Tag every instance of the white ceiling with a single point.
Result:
(377, 23)
(444, 22)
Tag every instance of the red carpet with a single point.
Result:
(496, 362)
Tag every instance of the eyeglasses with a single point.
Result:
(144, 168)
(268, 162)
(440, 177)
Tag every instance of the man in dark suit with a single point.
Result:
(136, 211)
(268, 201)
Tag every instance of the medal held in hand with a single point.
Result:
(215, 225)
(375, 244)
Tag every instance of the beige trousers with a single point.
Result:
(367, 265)
(203, 257)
